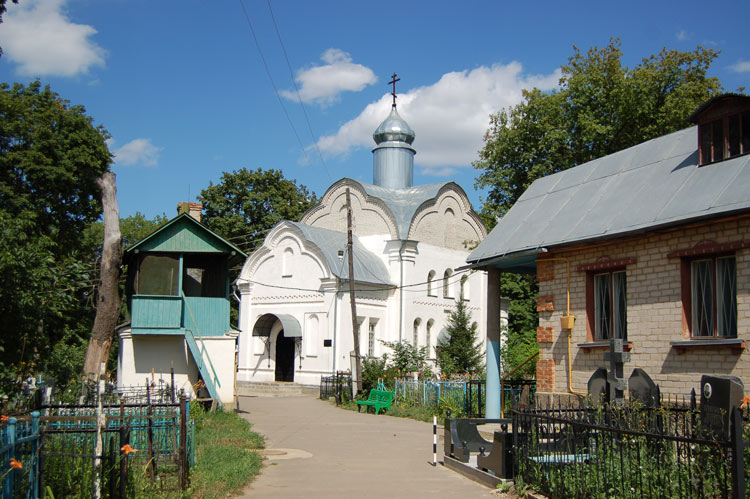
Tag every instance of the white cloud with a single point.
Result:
(449, 117)
(137, 151)
(682, 35)
(323, 84)
(38, 36)
(741, 67)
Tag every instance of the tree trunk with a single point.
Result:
(108, 298)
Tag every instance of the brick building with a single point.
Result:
(650, 245)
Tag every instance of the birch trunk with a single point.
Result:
(108, 298)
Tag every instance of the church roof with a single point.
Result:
(404, 203)
(367, 266)
(652, 185)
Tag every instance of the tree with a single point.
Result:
(600, 108)
(51, 155)
(246, 203)
(458, 353)
(3, 9)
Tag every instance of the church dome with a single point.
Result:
(394, 128)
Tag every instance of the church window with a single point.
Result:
(286, 262)
(447, 292)
(371, 338)
(431, 283)
(464, 288)
(417, 323)
(430, 353)
(312, 333)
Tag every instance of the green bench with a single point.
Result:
(379, 399)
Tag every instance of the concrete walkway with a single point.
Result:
(316, 450)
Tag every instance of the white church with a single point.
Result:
(295, 316)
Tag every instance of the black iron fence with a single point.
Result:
(338, 386)
(628, 451)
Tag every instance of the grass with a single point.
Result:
(417, 412)
(226, 454)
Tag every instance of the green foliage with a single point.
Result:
(407, 358)
(245, 204)
(600, 108)
(459, 353)
(373, 369)
(51, 154)
(520, 334)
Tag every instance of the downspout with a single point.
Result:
(335, 321)
(401, 292)
(567, 322)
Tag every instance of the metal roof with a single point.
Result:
(265, 323)
(655, 184)
(404, 203)
(367, 266)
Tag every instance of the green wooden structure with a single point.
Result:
(178, 284)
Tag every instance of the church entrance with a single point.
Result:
(284, 357)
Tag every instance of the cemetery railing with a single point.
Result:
(338, 386)
(627, 451)
(19, 453)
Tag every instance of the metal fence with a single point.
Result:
(463, 398)
(339, 386)
(627, 451)
(20, 443)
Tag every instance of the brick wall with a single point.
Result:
(654, 311)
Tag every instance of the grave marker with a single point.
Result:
(719, 395)
(616, 358)
(599, 387)
(643, 389)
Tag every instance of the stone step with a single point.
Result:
(274, 389)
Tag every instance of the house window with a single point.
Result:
(713, 297)
(447, 293)
(724, 138)
(610, 306)
(158, 275)
(417, 323)
(431, 283)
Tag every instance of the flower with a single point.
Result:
(15, 465)
(745, 401)
(127, 449)
(3, 418)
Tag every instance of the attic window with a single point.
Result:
(723, 128)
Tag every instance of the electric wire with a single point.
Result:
(291, 74)
(273, 84)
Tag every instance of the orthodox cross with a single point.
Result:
(617, 382)
(393, 82)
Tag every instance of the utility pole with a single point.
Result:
(352, 298)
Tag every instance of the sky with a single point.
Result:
(189, 90)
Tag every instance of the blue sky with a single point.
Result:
(184, 93)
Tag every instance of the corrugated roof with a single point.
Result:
(367, 266)
(404, 203)
(654, 184)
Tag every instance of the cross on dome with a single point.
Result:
(393, 93)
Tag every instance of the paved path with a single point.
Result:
(332, 453)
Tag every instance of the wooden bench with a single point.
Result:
(378, 399)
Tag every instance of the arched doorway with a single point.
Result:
(284, 357)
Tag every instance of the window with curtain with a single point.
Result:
(610, 306)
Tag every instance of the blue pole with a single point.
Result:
(11, 437)
(492, 394)
(34, 475)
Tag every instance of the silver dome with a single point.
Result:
(394, 128)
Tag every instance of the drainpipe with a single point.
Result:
(566, 323)
(401, 292)
(335, 321)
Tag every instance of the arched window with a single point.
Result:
(286, 262)
(417, 323)
(431, 283)
(447, 293)
(312, 332)
(464, 295)
(430, 353)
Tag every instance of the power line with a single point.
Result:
(291, 74)
(273, 84)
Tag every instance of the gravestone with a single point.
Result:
(719, 394)
(599, 387)
(643, 389)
